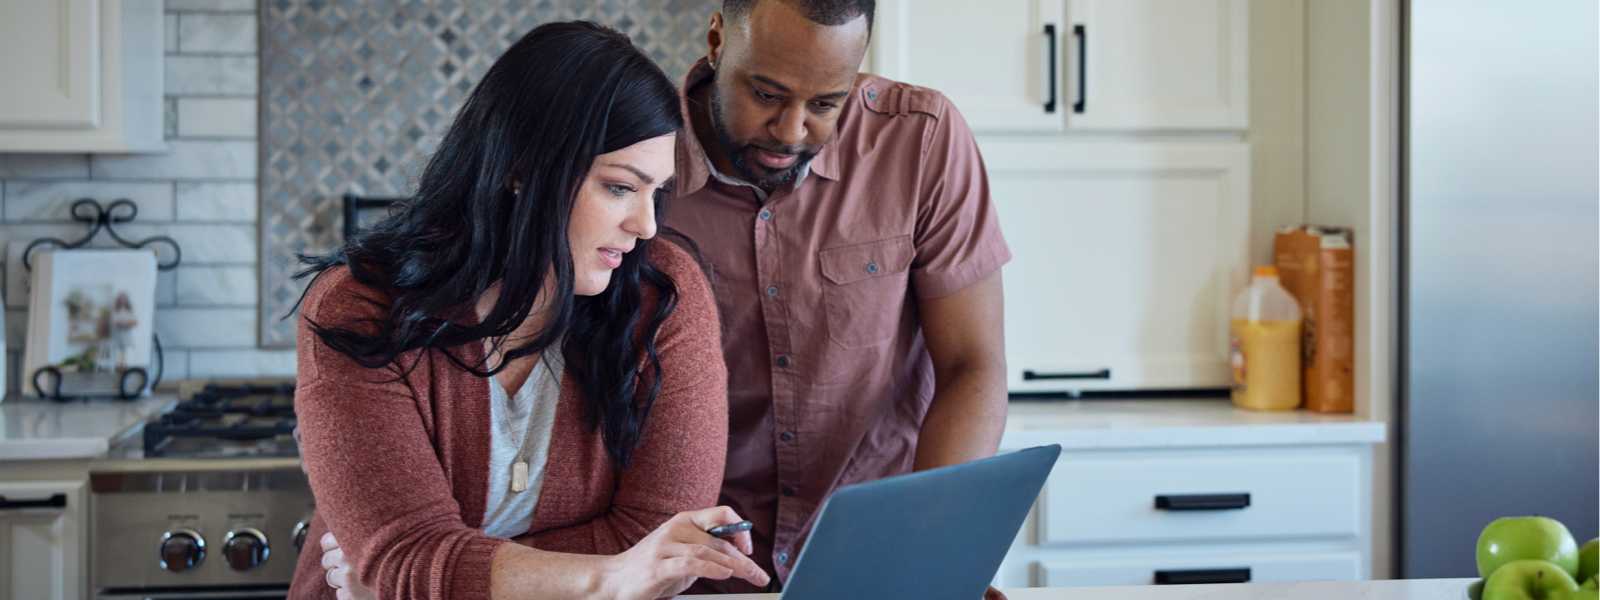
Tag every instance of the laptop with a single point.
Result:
(933, 535)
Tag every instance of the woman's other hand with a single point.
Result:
(668, 560)
(339, 574)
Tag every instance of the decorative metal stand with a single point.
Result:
(131, 381)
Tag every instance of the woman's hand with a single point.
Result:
(668, 560)
(339, 574)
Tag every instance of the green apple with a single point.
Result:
(1591, 584)
(1529, 580)
(1582, 594)
(1526, 538)
(1588, 560)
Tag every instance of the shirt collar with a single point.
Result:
(694, 166)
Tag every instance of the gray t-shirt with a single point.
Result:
(532, 413)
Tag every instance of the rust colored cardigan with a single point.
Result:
(400, 468)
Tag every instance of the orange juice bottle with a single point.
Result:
(1266, 345)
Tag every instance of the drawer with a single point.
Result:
(1113, 498)
(1333, 566)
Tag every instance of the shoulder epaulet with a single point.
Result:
(888, 97)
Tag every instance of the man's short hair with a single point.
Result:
(823, 12)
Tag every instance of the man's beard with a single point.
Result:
(738, 154)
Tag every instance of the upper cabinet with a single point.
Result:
(81, 76)
(1044, 66)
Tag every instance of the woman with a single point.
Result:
(509, 356)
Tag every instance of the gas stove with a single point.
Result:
(206, 501)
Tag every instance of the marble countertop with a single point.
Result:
(1408, 589)
(32, 429)
(1104, 424)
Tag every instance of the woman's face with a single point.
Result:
(615, 208)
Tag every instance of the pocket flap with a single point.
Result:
(849, 264)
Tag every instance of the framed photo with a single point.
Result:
(90, 317)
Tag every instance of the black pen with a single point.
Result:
(730, 529)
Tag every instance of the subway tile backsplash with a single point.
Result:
(204, 193)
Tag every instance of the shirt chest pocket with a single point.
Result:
(865, 292)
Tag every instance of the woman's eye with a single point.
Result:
(618, 190)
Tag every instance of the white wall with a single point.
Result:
(203, 193)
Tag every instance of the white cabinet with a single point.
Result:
(1192, 491)
(42, 544)
(1074, 65)
(1125, 255)
(81, 76)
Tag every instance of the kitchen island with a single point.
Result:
(1412, 589)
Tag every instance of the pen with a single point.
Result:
(730, 529)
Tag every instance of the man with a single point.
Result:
(846, 225)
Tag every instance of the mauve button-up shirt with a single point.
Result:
(817, 287)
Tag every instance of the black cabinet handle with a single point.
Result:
(1030, 375)
(1083, 80)
(54, 501)
(1203, 502)
(1050, 35)
(1194, 576)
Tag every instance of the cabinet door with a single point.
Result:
(1124, 258)
(994, 60)
(49, 61)
(41, 547)
(1158, 65)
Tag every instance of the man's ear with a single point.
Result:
(714, 40)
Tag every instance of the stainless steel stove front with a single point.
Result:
(197, 528)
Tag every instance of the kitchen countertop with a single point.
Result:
(33, 429)
(1108, 424)
(1406, 589)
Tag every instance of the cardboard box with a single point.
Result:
(1317, 266)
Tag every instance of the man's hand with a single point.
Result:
(993, 594)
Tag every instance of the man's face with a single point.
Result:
(780, 82)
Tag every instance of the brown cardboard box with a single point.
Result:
(1317, 266)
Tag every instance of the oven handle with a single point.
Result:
(54, 501)
(251, 592)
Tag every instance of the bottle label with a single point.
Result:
(1236, 359)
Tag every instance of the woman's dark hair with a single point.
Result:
(560, 96)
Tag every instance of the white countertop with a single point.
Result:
(1411, 589)
(31, 428)
(1104, 424)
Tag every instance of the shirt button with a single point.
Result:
(783, 558)
(872, 267)
(772, 290)
(872, 94)
(785, 436)
(766, 214)
(788, 491)
(783, 361)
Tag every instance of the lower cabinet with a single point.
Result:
(1132, 516)
(42, 536)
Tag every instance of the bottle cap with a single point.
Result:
(1266, 271)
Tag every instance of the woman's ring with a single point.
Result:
(328, 577)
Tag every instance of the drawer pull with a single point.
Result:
(54, 501)
(1196, 576)
(1029, 375)
(1203, 502)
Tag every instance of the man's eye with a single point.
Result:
(766, 96)
(825, 106)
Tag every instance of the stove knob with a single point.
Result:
(245, 549)
(300, 530)
(182, 550)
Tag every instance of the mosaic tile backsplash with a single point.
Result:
(355, 94)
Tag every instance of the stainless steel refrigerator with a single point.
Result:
(1500, 275)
